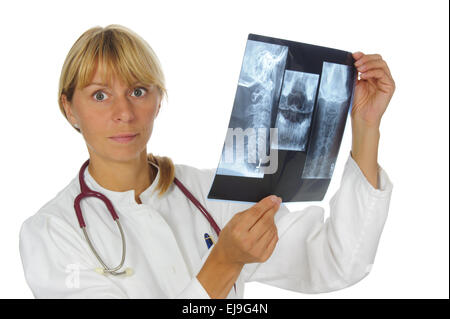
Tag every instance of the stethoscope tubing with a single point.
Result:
(87, 192)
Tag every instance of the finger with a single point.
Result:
(367, 57)
(364, 58)
(384, 83)
(270, 247)
(261, 245)
(265, 222)
(254, 213)
(374, 64)
(357, 55)
(374, 74)
(272, 242)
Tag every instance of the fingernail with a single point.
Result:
(280, 199)
(274, 199)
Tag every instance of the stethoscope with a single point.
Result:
(87, 192)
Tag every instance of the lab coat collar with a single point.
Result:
(123, 198)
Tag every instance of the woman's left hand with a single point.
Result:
(373, 91)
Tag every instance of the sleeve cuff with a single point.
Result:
(384, 183)
(194, 290)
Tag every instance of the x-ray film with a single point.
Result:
(288, 119)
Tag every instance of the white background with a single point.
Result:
(201, 45)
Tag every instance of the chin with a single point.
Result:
(117, 152)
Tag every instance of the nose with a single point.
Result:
(123, 110)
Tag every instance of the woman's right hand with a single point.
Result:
(251, 235)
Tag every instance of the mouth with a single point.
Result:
(123, 138)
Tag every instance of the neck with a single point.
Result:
(121, 176)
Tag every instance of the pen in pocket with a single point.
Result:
(209, 240)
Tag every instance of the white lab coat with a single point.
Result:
(166, 246)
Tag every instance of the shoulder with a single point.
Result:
(197, 177)
(198, 181)
(58, 211)
(52, 231)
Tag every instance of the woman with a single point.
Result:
(111, 88)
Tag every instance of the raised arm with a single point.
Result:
(372, 95)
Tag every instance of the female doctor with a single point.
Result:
(110, 90)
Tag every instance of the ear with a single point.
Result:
(157, 111)
(68, 109)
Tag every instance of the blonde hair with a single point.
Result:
(122, 52)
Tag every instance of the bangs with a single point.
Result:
(118, 56)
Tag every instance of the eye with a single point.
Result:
(139, 89)
(99, 96)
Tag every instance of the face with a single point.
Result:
(103, 112)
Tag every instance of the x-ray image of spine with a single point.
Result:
(256, 99)
(295, 109)
(329, 122)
